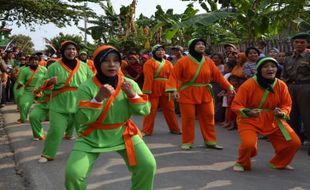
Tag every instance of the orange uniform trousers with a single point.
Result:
(284, 150)
(167, 107)
(205, 114)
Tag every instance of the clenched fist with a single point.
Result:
(104, 92)
(128, 89)
(52, 81)
(278, 112)
(254, 113)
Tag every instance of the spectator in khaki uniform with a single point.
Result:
(296, 73)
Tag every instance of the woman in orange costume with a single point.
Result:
(195, 72)
(263, 104)
(156, 74)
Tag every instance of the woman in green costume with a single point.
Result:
(63, 79)
(19, 92)
(40, 111)
(106, 103)
(27, 79)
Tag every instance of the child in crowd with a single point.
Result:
(227, 70)
(249, 67)
(230, 116)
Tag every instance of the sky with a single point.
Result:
(146, 7)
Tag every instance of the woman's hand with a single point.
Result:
(253, 113)
(104, 92)
(278, 112)
(222, 93)
(4, 83)
(37, 92)
(176, 95)
(231, 92)
(52, 81)
(19, 85)
(128, 89)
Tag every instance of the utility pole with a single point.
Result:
(85, 25)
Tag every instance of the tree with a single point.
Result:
(252, 20)
(119, 30)
(30, 12)
(56, 42)
(104, 27)
(23, 43)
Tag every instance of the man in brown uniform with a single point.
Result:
(296, 73)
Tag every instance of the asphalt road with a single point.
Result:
(197, 169)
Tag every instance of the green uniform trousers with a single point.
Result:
(36, 116)
(80, 164)
(59, 123)
(18, 93)
(25, 102)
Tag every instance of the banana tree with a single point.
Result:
(252, 20)
(263, 19)
(200, 25)
(163, 31)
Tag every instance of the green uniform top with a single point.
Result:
(26, 73)
(66, 101)
(19, 71)
(20, 68)
(120, 111)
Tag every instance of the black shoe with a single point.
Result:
(232, 128)
(176, 132)
(262, 137)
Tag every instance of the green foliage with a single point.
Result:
(24, 43)
(31, 12)
(235, 21)
(108, 26)
(265, 19)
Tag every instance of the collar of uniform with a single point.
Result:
(303, 54)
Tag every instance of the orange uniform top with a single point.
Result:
(156, 85)
(43, 63)
(184, 71)
(238, 71)
(250, 95)
(238, 68)
(91, 65)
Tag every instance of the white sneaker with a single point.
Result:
(289, 167)
(69, 137)
(186, 146)
(238, 168)
(42, 160)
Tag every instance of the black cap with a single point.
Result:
(301, 35)
(65, 43)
